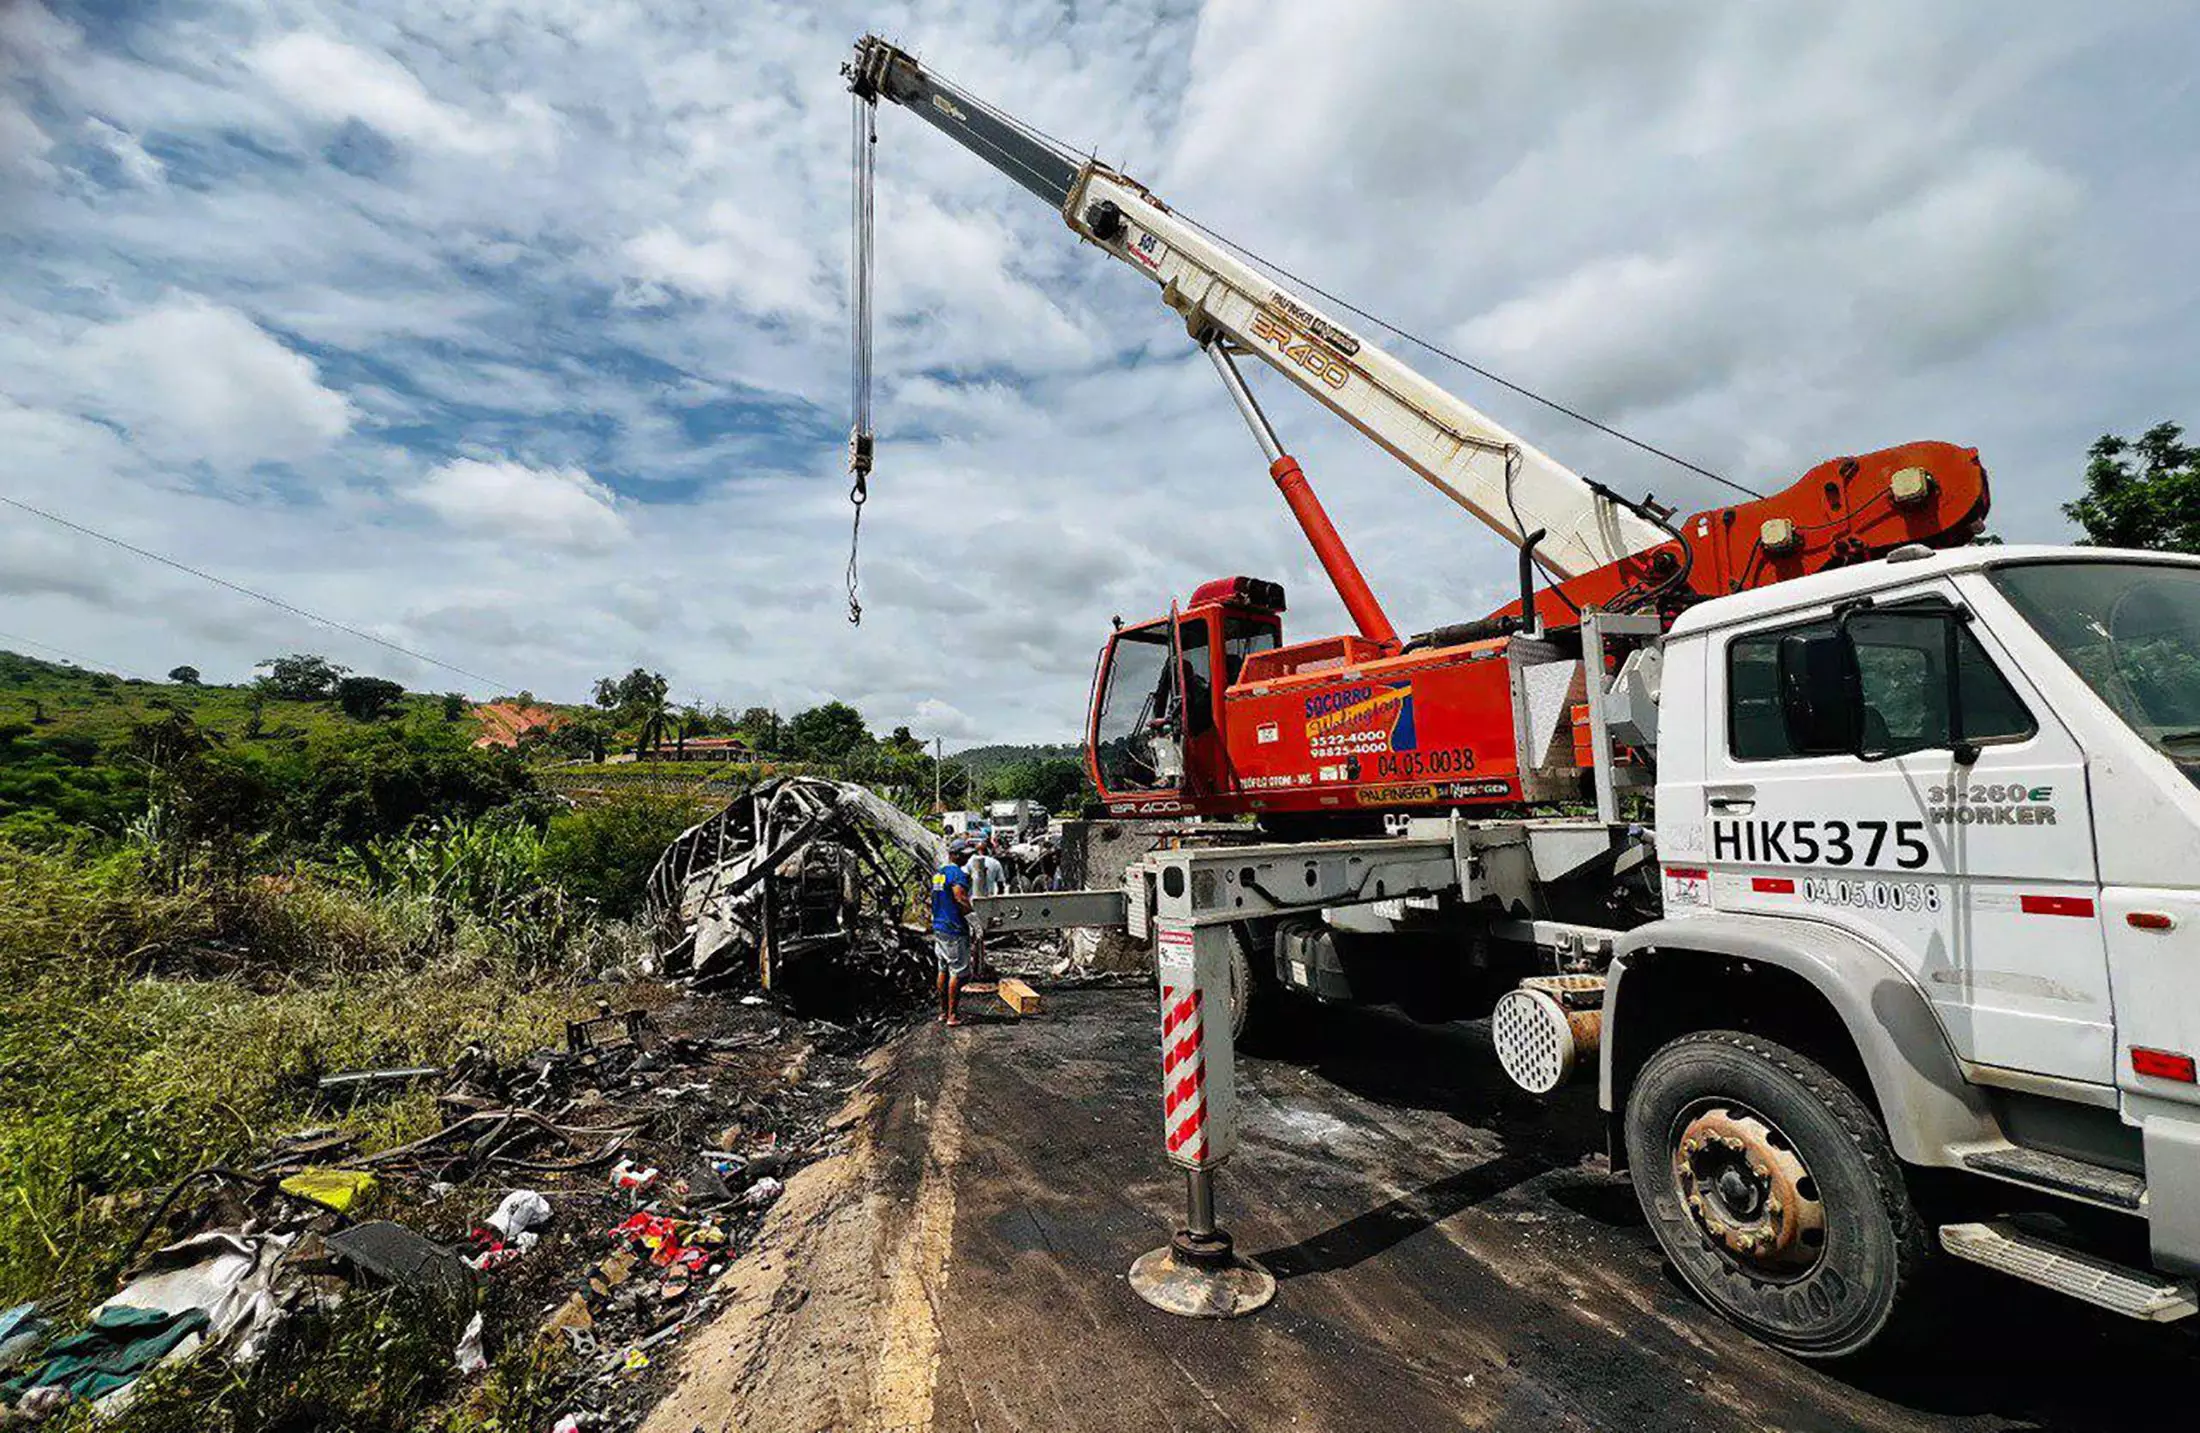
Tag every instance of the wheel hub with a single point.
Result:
(1749, 1191)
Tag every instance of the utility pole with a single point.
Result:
(939, 755)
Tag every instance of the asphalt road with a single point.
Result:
(1451, 1253)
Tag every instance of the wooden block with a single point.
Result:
(980, 987)
(1018, 996)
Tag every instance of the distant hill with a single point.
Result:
(985, 758)
(58, 699)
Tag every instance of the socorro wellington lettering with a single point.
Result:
(1368, 717)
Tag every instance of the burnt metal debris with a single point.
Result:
(798, 884)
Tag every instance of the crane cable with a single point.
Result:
(863, 159)
(1474, 368)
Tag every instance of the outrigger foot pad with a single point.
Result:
(1200, 1276)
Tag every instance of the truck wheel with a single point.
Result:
(1265, 1017)
(1246, 995)
(1774, 1192)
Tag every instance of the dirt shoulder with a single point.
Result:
(828, 1320)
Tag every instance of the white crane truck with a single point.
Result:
(1883, 943)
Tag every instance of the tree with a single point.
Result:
(583, 737)
(366, 698)
(2154, 505)
(832, 732)
(1056, 783)
(639, 698)
(301, 676)
(762, 728)
(184, 676)
(255, 721)
(454, 706)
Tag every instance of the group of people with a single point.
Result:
(958, 936)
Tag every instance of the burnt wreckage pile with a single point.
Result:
(799, 883)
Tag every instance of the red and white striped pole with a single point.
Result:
(1198, 1272)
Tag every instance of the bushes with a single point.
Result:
(389, 778)
(603, 854)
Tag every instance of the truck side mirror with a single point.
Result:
(1821, 697)
(1903, 634)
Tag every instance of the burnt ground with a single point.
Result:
(1451, 1253)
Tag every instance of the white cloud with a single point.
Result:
(602, 319)
(561, 508)
(192, 381)
(137, 166)
(336, 81)
(23, 144)
(934, 717)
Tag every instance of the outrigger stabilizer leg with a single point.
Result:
(1198, 1273)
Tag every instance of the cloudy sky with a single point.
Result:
(515, 333)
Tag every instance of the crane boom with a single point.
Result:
(1508, 484)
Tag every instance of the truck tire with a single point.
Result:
(1774, 1192)
(1265, 1017)
(1248, 998)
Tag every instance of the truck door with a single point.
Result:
(1977, 877)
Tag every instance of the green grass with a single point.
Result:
(137, 1045)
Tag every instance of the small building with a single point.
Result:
(705, 748)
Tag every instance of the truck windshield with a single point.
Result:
(1135, 693)
(2131, 631)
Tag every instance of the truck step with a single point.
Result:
(2004, 1247)
(2113, 1187)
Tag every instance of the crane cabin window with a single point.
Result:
(1241, 638)
(1135, 695)
(1901, 661)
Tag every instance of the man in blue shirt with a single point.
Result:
(951, 929)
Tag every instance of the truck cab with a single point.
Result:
(1929, 825)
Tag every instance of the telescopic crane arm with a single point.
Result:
(1461, 452)
(1601, 548)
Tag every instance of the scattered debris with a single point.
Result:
(346, 1191)
(521, 1211)
(21, 1332)
(357, 1082)
(599, 1186)
(628, 1175)
(605, 1031)
(468, 1355)
(120, 1345)
(389, 1253)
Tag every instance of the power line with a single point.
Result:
(72, 657)
(257, 596)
